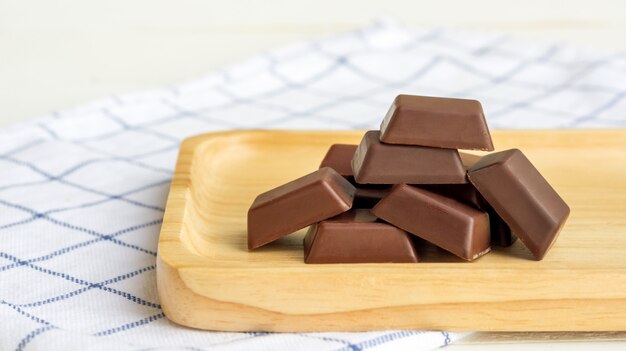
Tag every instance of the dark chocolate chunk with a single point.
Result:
(378, 163)
(522, 197)
(442, 221)
(339, 158)
(298, 204)
(357, 237)
(437, 122)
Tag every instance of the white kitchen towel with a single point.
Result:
(82, 191)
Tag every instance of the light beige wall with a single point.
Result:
(54, 54)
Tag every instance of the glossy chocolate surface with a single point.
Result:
(357, 236)
(437, 122)
(449, 224)
(501, 234)
(339, 158)
(298, 204)
(378, 163)
(522, 198)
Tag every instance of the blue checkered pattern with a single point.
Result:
(82, 191)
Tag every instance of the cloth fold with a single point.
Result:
(83, 190)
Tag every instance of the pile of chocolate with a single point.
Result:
(368, 203)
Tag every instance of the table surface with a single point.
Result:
(55, 55)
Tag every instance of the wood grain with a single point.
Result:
(207, 279)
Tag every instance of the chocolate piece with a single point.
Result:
(442, 221)
(437, 122)
(501, 234)
(297, 204)
(368, 195)
(522, 197)
(378, 163)
(339, 158)
(357, 237)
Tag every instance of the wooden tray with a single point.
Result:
(207, 279)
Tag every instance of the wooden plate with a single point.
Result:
(207, 279)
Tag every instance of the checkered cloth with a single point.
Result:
(82, 191)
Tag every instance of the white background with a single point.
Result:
(56, 54)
